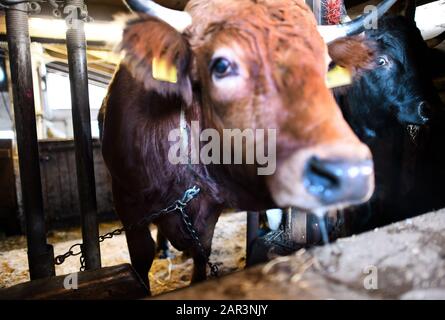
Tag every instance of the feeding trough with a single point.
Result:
(401, 261)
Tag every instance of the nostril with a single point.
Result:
(321, 176)
(336, 180)
(425, 111)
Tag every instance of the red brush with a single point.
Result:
(333, 11)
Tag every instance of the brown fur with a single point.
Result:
(139, 55)
(353, 53)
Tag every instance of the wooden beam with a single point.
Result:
(117, 282)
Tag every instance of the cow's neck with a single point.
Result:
(143, 121)
(238, 185)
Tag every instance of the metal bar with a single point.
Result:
(298, 227)
(77, 61)
(253, 224)
(317, 10)
(93, 45)
(40, 254)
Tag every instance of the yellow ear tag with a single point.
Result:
(163, 71)
(337, 77)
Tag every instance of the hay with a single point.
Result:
(165, 275)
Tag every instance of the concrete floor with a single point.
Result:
(405, 260)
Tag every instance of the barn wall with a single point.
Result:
(59, 183)
(59, 186)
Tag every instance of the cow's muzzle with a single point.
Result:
(418, 114)
(325, 176)
(333, 181)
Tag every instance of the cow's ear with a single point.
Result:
(158, 56)
(353, 53)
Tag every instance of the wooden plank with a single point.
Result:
(405, 258)
(117, 282)
(5, 154)
(58, 167)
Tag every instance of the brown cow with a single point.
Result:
(240, 64)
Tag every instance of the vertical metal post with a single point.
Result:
(253, 224)
(40, 254)
(295, 226)
(317, 10)
(77, 60)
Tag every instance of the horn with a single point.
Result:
(179, 20)
(332, 32)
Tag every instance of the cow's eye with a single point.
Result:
(221, 67)
(382, 61)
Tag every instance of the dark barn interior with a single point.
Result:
(59, 213)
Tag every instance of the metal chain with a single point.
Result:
(70, 253)
(188, 224)
(178, 205)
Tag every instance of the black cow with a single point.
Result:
(395, 109)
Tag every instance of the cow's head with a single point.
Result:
(259, 65)
(398, 89)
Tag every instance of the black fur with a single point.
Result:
(379, 106)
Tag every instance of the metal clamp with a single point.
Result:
(76, 10)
